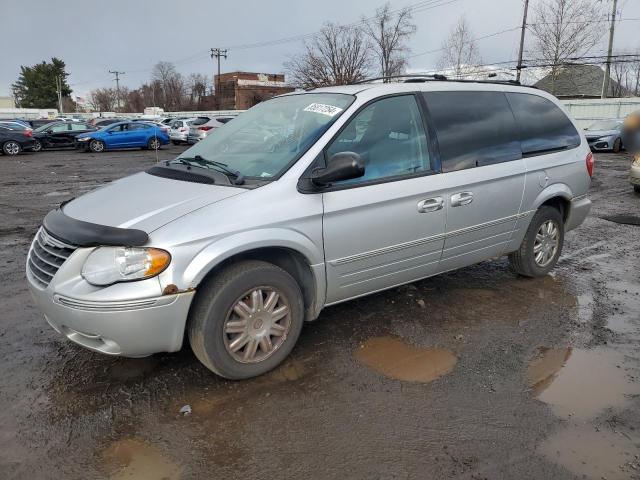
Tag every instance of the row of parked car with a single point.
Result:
(100, 134)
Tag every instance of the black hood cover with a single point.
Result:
(86, 234)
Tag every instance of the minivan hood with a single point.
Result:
(145, 202)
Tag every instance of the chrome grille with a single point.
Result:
(46, 256)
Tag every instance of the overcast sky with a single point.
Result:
(93, 37)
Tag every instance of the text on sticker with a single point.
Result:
(329, 110)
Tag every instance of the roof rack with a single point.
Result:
(417, 78)
(411, 76)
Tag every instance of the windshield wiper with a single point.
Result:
(199, 161)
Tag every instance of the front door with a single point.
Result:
(387, 227)
(483, 172)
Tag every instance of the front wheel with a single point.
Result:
(617, 145)
(542, 244)
(11, 148)
(96, 146)
(37, 146)
(246, 320)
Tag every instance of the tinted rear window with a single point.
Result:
(200, 121)
(473, 128)
(543, 126)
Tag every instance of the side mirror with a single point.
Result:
(341, 166)
(109, 132)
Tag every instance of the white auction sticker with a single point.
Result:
(329, 110)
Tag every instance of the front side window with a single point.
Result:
(389, 136)
(120, 128)
(543, 126)
(79, 126)
(263, 141)
(60, 127)
(474, 129)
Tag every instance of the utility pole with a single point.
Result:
(217, 53)
(607, 70)
(524, 28)
(59, 92)
(117, 74)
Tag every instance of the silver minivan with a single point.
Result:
(308, 200)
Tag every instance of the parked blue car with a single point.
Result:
(124, 135)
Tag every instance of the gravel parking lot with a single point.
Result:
(473, 374)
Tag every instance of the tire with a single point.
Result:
(153, 144)
(529, 264)
(11, 148)
(176, 142)
(617, 146)
(636, 188)
(96, 146)
(37, 146)
(213, 313)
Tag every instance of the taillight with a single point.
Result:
(590, 162)
(27, 133)
(205, 128)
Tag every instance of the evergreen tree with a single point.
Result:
(36, 85)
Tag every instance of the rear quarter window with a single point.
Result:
(543, 126)
(473, 128)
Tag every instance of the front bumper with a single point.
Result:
(634, 175)
(601, 143)
(128, 319)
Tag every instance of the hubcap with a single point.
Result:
(37, 146)
(257, 325)
(97, 146)
(154, 144)
(546, 244)
(12, 148)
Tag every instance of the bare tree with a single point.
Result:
(197, 88)
(621, 72)
(171, 83)
(389, 33)
(336, 56)
(565, 29)
(460, 53)
(634, 74)
(103, 99)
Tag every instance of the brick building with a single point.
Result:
(243, 90)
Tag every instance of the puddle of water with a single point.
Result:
(591, 454)
(132, 459)
(544, 368)
(393, 358)
(623, 219)
(580, 383)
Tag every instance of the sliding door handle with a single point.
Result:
(462, 198)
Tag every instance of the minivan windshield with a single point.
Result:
(605, 125)
(263, 141)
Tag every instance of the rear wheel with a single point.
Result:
(617, 145)
(11, 148)
(37, 146)
(153, 144)
(542, 244)
(246, 320)
(96, 146)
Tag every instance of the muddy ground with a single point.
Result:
(473, 374)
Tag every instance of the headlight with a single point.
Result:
(606, 137)
(83, 139)
(108, 265)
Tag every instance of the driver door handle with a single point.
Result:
(430, 205)
(462, 198)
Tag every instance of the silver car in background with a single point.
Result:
(179, 130)
(308, 200)
(605, 135)
(199, 131)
